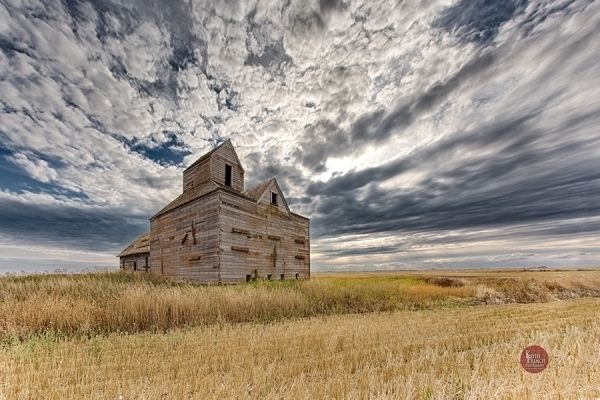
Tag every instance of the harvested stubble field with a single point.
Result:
(433, 335)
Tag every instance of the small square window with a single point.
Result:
(282, 276)
(273, 198)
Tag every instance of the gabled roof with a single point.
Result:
(210, 153)
(189, 195)
(138, 246)
(256, 192)
(285, 203)
(253, 194)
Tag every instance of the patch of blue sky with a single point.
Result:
(170, 152)
(16, 179)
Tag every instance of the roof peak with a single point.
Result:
(256, 191)
(209, 153)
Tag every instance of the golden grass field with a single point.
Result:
(404, 335)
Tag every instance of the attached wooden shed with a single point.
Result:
(136, 256)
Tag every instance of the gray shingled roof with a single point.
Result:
(256, 191)
(210, 153)
(254, 194)
(189, 195)
(206, 155)
(138, 246)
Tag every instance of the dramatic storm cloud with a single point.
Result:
(418, 134)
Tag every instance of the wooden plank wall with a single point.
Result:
(214, 168)
(261, 240)
(127, 262)
(226, 155)
(197, 175)
(184, 241)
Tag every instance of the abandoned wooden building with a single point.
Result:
(135, 257)
(217, 232)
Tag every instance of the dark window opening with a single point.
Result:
(269, 276)
(147, 264)
(282, 276)
(228, 175)
(248, 277)
(297, 276)
(273, 198)
(135, 265)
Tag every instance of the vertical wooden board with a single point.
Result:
(197, 175)
(137, 260)
(270, 238)
(225, 155)
(265, 199)
(184, 259)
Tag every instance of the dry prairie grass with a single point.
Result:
(91, 304)
(449, 353)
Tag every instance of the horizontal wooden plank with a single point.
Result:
(240, 248)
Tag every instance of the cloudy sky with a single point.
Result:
(414, 134)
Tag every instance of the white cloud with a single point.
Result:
(37, 169)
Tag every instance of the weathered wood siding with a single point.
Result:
(213, 167)
(135, 262)
(226, 156)
(265, 199)
(261, 240)
(184, 241)
(197, 174)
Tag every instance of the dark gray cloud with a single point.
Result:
(269, 164)
(273, 56)
(327, 6)
(325, 139)
(479, 20)
(540, 13)
(361, 251)
(69, 225)
(523, 182)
